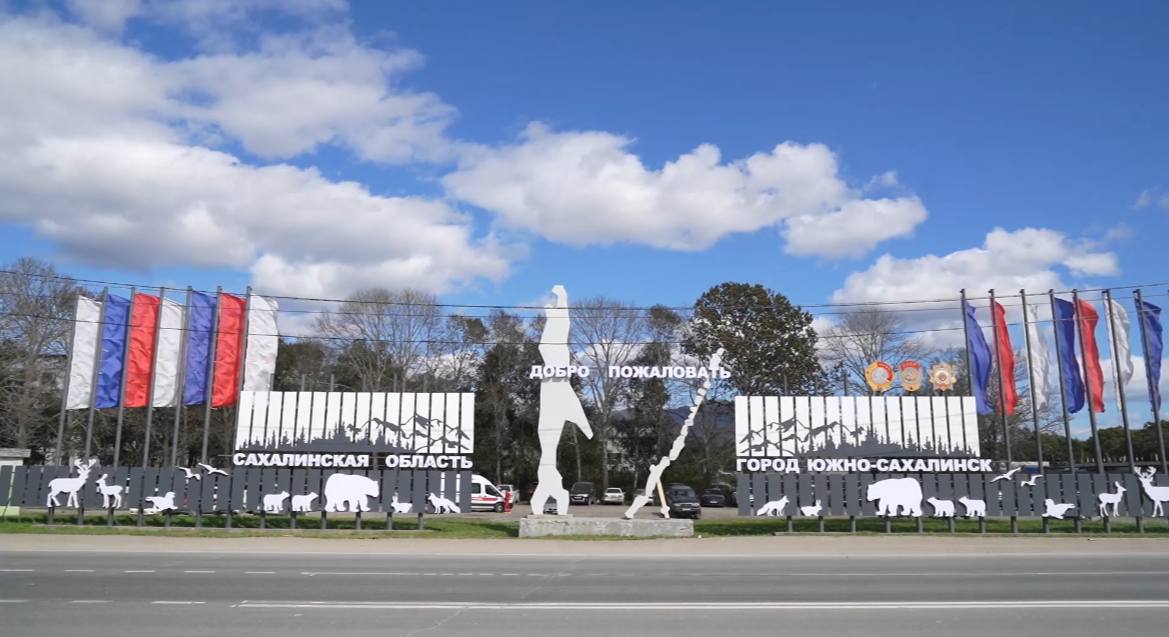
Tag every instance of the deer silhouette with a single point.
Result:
(71, 486)
(109, 491)
(1158, 494)
(1113, 499)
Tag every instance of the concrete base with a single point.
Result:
(550, 525)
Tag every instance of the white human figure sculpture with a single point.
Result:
(558, 404)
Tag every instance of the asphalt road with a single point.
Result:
(176, 593)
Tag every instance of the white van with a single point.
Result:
(485, 496)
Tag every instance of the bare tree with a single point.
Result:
(607, 333)
(388, 335)
(863, 336)
(35, 312)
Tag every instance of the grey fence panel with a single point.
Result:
(419, 493)
(451, 492)
(388, 488)
(253, 490)
(790, 487)
(820, 492)
(1090, 485)
(743, 493)
(19, 481)
(135, 489)
(976, 489)
(1067, 484)
(852, 489)
(867, 507)
(406, 487)
(804, 482)
(774, 488)
(1030, 499)
(284, 484)
(210, 485)
(30, 493)
(1133, 495)
(150, 485)
(315, 483)
(836, 504)
(297, 485)
(236, 484)
(465, 493)
(120, 476)
(1009, 499)
(946, 489)
(929, 489)
(89, 497)
(6, 485)
(759, 489)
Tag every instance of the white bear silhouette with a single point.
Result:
(347, 492)
(274, 502)
(942, 508)
(303, 503)
(974, 508)
(895, 494)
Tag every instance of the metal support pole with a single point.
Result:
(994, 327)
(150, 383)
(1120, 396)
(101, 319)
(210, 374)
(65, 388)
(1031, 383)
(1149, 379)
(122, 389)
(181, 380)
(1063, 400)
(1088, 386)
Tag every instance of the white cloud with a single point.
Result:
(1143, 199)
(297, 92)
(1008, 261)
(96, 154)
(1152, 197)
(587, 188)
(107, 15)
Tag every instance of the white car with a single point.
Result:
(613, 495)
(485, 496)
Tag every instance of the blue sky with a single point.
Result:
(487, 151)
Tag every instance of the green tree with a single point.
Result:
(770, 344)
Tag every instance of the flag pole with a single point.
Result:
(1031, 383)
(1149, 381)
(101, 319)
(150, 385)
(243, 362)
(122, 391)
(1087, 384)
(1063, 399)
(994, 327)
(65, 384)
(211, 373)
(1120, 395)
(181, 379)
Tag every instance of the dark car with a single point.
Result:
(731, 498)
(581, 493)
(683, 502)
(713, 498)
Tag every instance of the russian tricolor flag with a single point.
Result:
(144, 338)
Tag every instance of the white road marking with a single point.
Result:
(79, 570)
(262, 573)
(174, 602)
(198, 571)
(90, 601)
(17, 570)
(713, 606)
(13, 601)
(148, 571)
